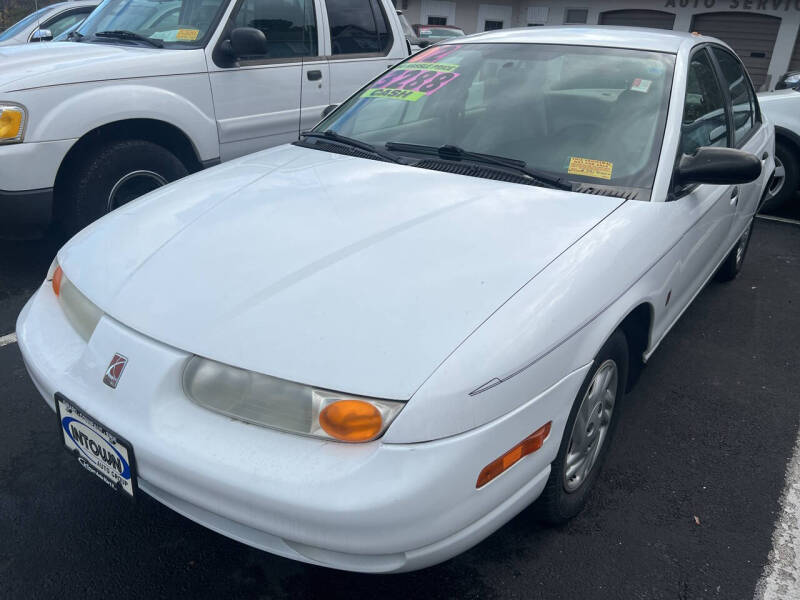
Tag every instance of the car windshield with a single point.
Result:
(577, 113)
(22, 25)
(171, 23)
(440, 32)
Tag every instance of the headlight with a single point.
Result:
(13, 118)
(82, 314)
(280, 404)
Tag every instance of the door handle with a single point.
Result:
(314, 75)
(734, 196)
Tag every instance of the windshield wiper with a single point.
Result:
(454, 153)
(122, 34)
(348, 141)
(76, 35)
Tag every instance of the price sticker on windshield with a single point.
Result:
(411, 84)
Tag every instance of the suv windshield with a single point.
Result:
(171, 23)
(22, 25)
(576, 113)
(439, 32)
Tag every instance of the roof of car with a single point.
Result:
(639, 38)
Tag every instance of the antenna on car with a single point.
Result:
(38, 16)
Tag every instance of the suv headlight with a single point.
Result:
(13, 118)
(280, 404)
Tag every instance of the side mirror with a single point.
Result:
(42, 35)
(423, 43)
(246, 41)
(719, 166)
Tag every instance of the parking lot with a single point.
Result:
(685, 507)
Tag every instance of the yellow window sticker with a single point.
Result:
(590, 167)
(187, 35)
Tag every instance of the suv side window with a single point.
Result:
(705, 122)
(741, 93)
(290, 26)
(358, 27)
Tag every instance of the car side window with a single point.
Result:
(358, 27)
(705, 122)
(741, 94)
(60, 23)
(290, 26)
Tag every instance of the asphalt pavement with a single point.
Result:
(685, 507)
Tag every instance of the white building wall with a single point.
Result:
(467, 15)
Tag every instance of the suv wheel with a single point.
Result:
(786, 180)
(115, 174)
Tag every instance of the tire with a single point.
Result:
(114, 174)
(786, 182)
(729, 269)
(564, 497)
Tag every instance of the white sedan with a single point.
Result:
(372, 348)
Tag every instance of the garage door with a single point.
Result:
(638, 18)
(752, 36)
(794, 64)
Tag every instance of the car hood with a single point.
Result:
(339, 272)
(57, 63)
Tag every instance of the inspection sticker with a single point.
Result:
(641, 85)
(187, 35)
(590, 167)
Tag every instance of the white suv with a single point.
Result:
(783, 108)
(151, 90)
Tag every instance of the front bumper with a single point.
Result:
(371, 507)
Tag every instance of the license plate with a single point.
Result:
(98, 449)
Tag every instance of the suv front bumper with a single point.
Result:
(27, 177)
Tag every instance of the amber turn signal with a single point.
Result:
(57, 276)
(351, 420)
(527, 446)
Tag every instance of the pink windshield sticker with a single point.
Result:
(411, 84)
(435, 54)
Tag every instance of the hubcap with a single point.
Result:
(778, 179)
(591, 426)
(133, 185)
(742, 246)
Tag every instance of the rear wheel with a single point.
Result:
(588, 434)
(113, 175)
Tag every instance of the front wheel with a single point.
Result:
(113, 175)
(588, 434)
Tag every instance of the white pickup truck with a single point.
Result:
(151, 90)
(783, 109)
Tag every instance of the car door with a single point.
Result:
(257, 99)
(749, 134)
(363, 44)
(711, 208)
(315, 93)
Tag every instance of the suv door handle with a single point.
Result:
(735, 196)
(314, 75)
